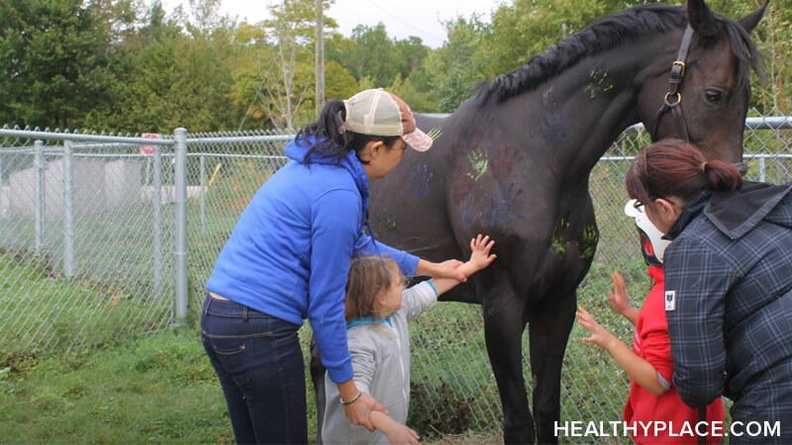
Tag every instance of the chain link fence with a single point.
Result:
(95, 246)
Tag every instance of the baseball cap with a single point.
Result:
(653, 245)
(378, 112)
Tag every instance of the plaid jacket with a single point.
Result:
(728, 298)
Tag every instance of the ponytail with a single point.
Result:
(672, 167)
(328, 132)
(721, 176)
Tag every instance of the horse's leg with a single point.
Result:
(504, 324)
(317, 376)
(549, 333)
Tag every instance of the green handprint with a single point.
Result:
(479, 163)
(435, 133)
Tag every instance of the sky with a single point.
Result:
(402, 18)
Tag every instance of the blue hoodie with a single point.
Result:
(289, 253)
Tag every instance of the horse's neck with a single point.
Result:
(596, 100)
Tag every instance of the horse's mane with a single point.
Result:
(604, 34)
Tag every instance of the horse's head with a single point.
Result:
(703, 94)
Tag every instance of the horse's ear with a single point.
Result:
(702, 20)
(750, 21)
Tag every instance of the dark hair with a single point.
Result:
(672, 167)
(369, 277)
(332, 139)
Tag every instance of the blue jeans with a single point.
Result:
(260, 365)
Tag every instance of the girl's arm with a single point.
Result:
(638, 369)
(358, 412)
(396, 432)
(446, 269)
(480, 258)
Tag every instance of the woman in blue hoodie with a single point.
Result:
(287, 259)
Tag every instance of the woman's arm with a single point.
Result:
(409, 264)
(638, 369)
(697, 281)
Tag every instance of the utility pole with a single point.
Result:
(320, 58)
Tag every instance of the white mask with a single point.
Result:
(649, 234)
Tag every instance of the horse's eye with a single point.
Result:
(714, 96)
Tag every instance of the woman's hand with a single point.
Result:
(446, 269)
(358, 412)
(599, 335)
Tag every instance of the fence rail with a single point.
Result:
(94, 240)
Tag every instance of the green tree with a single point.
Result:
(54, 64)
(456, 65)
(340, 84)
(174, 79)
(374, 55)
(411, 53)
(288, 79)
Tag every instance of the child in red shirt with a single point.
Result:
(654, 408)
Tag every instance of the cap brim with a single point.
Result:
(418, 140)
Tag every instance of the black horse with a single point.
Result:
(514, 161)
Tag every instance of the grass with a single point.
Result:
(50, 312)
(160, 388)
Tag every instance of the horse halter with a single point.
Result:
(673, 98)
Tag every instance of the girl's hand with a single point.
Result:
(480, 248)
(618, 299)
(402, 435)
(358, 412)
(599, 335)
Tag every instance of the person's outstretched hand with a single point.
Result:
(480, 248)
(618, 299)
(599, 335)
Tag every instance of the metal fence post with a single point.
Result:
(38, 161)
(156, 203)
(762, 169)
(203, 194)
(180, 184)
(68, 209)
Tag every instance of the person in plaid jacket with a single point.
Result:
(728, 288)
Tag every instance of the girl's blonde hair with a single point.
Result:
(369, 277)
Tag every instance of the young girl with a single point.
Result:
(378, 309)
(653, 401)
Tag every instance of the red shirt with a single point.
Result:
(651, 342)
